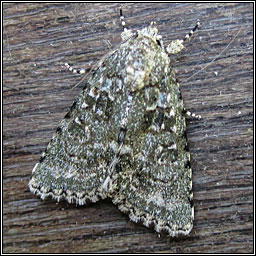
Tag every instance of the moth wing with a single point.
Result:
(154, 177)
(76, 161)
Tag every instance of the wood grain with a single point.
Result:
(39, 38)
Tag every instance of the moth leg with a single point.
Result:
(176, 46)
(79, 71)
(189, 114)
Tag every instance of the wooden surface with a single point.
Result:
(39, 38)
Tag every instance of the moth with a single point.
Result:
(124, 138)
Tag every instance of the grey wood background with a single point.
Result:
(38, 38)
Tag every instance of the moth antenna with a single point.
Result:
(191, 32)
(206, 66)
(177, 45)
(122, 20)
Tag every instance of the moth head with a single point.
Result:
(146, 59)
(151, 32)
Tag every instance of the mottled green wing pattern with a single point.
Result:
(124, 137)
(154, 177)
(76, 161)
